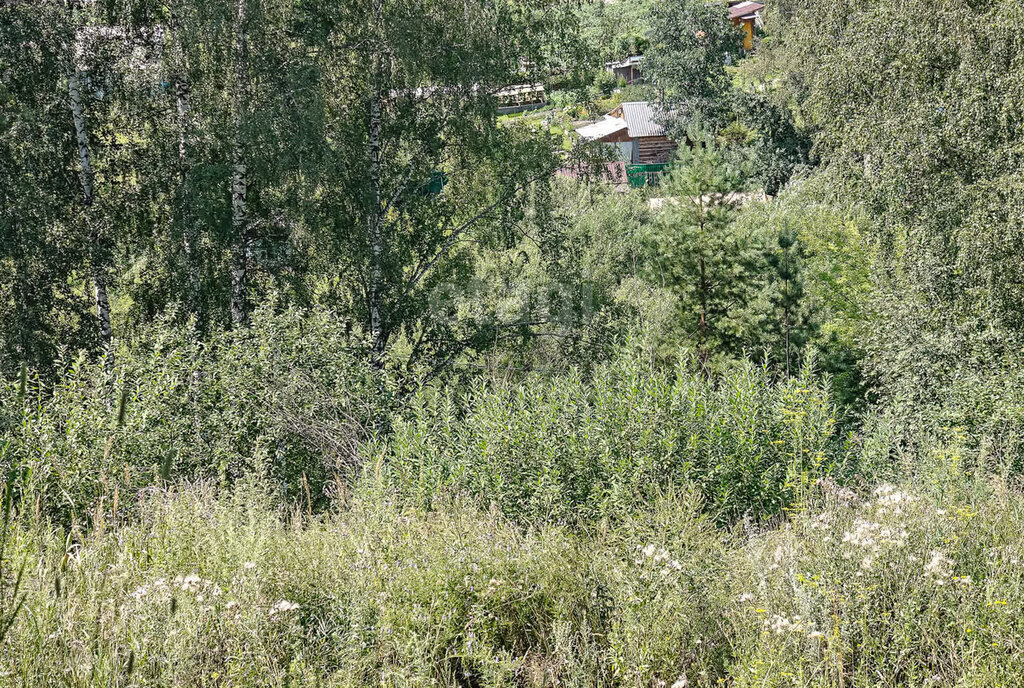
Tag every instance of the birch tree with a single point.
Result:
(413, 103)
(77, 61)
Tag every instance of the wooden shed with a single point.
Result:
(746, 15)
(650, 144)
(633, 129)
(628, 70)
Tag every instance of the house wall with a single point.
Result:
(748, 34)
(618, 137)
(649, 150)
(631, 74)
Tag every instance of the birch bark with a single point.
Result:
(374, 223)
(375, 219)
(188, 233)
(86, 179)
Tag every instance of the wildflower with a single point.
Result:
(863, 533)
(779, 624)
(821, 522)
(285, 606)
(936, 566)
(891, 499)
(190, 583)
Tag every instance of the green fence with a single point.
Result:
(644, 175)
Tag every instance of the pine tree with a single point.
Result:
(701, 253)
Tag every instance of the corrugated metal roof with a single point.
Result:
(639, 116)
(601, 128)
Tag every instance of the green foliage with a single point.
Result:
(913, 114)
(285, 399)
(686, 59)
(919, 583)
(492, 423)
(617, 30)
(570, 450)
(779, 149)
(12, 598)
(700, 252)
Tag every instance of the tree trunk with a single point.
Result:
(85, 175)
(188, 239)
(703, 336)
(786, 315)
(239, 182)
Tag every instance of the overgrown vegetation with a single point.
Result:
(315, 371)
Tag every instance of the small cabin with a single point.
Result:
(628, 70)
(747, 16)
(632, 128)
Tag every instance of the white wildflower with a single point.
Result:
(285, 606)
(190, 583)
(937, 566)
(779, 624)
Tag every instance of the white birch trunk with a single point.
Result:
(239, 183)
(188, 238)
(85, 175)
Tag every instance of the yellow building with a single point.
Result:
(746, 15)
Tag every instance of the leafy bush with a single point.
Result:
(572, 449)
(285, 398)
(920, 586)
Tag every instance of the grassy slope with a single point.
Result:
(897, 587)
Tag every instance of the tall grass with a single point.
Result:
(919, 585)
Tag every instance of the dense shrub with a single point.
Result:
(285, 398)
(566, 448)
